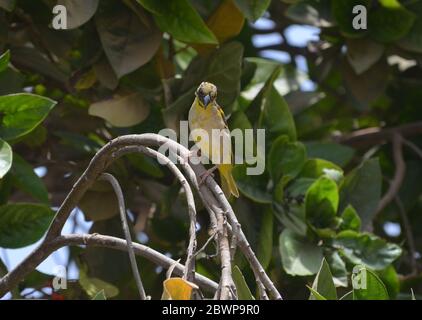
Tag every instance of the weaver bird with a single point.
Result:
(207, 124)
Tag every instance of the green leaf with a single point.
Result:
(243, 291)
(93, 286)
(286, 158)
(6, 158)
(412, 41)
(367, 285)
(366, 249)
(321, 202)
(299, 256)
(347, 296)
(100, 295)
(323, 283)
(4, 60)
(265, 245)
(253, 187)
(342, 11)
(128, 41)
(338, 268)
(391, 280)
(272, 111)
(350, 219)
(7, 5)
(334, 152)
(21, 113)
(315, 295)
(390, 24)
(79, 12)
(32, 59)
(22, 224)
(180, 19)
(362, 189)
(123, 111)
(315, 168)
(293, 218)
(25, 179)
(253, 9)
(363, 54)
(315, 13)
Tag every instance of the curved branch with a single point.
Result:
(398, 175)
(96, 240)
(122, 209)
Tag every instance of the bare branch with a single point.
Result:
(373, 136)
(414, 147)
(398, 175)
(122, 209)
(409, 236)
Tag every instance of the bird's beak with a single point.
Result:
(205, 100)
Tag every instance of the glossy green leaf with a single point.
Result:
(315, 295)
(93, 286)
(322, 202)
(315, 168)
(21, 113)
(243, 291)
(22, 224)
(391, 280)
(299, 256)
(24, 178)
(367, 285)
(286, 158)
(337, 267)
(362, 189)
(4, 60)
(265, 241)
(350, 219)
(6, 158)
(253, 187)
(323, 283)
(180, 19)
(253, 9)
(100, 295)
(366, 249)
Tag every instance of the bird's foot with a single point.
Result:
(203, 176)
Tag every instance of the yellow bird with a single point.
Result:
(210, 132)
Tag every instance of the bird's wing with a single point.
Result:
(222, 115)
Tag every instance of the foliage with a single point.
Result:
(130, 67)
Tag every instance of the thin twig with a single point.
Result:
(409, 235)
(414, 147)
(205, 244)
(122, 209)
(398, 175)
(190, 259)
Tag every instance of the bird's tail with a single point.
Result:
(227, 182)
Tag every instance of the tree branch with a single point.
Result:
(398, 175)
(372, 136)
(122, 209)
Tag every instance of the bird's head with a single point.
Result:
(206, 93)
